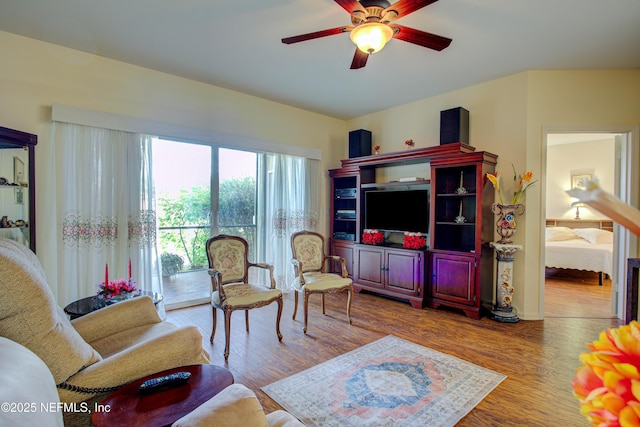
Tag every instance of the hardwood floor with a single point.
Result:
(574, 293)
(538, 357)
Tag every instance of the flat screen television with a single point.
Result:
(397, 210)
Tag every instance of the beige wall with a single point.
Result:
(35, 75)
(508, 117)
(596, 158)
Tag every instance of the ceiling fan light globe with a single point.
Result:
(371, 37)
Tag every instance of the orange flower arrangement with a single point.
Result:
(608, 382)
(518, 180)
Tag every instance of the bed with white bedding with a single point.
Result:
(580, 247)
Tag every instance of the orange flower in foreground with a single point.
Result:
(608, 382)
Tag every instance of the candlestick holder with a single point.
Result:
(460, 218)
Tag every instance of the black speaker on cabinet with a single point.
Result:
(359, 143)
(454, 126)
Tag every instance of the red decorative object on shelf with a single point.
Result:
(372, 237)
(414, 241)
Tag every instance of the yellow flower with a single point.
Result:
(519, 180)
(608, 382)
(495, 180)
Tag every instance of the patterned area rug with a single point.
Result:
(389, 382)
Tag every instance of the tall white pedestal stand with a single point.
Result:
(503, 310)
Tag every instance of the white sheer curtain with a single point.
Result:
(291, 204)
(104, 210)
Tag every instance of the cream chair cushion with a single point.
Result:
(30, 316)
(235, 406)
(26, 381)
(243, 294)
(315, 281)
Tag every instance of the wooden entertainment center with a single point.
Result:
(456, 269)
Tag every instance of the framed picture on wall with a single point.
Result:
(580, 181)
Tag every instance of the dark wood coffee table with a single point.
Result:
(128, 407)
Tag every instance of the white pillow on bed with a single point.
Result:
(595, 235)
(559, 234)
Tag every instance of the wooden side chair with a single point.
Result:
(230, 288)
(309, 264)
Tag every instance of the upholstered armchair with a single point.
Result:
(310, 271)
(96, 353)
(26, 381)
(232, 287)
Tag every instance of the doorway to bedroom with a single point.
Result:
(579, 250)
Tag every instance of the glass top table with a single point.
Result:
(87, 305)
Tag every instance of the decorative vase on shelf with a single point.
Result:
(506, 223)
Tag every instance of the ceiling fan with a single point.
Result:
(371, 28)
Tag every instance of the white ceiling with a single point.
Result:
(236, 44)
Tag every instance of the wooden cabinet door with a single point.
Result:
(345, 250)
(453, 278)
(370, 266)
(404, 271)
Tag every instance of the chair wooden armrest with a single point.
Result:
(216, 283)
(297, 270)
(113, 319)
(269, 268)
(343, 263)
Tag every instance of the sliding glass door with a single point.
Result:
(201, 190)
(237, 195)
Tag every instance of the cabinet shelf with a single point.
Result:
(394, 184)
(453, 195)
(461, 270)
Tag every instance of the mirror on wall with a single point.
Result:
(17, 186)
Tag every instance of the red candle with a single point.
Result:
(129, 268)
(106, 274)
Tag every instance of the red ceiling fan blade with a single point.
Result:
(359, 59)
(316, 35)
(421, 38)
(350, 5)
(405, 7)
